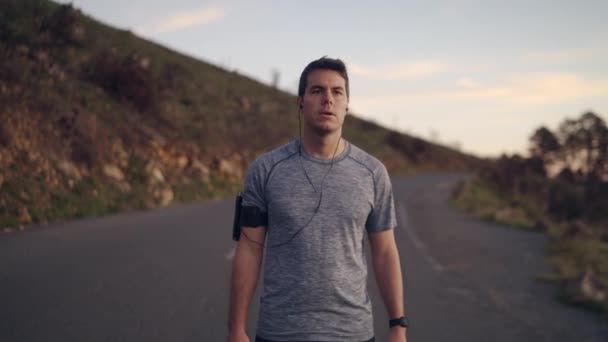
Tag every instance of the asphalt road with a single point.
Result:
(163, 275)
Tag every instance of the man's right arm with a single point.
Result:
(245, 273)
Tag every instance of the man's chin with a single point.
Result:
(325, 130)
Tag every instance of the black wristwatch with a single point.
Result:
(401, 321)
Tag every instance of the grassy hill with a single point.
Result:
(95, 120)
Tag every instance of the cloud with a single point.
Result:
(560, 56)
(185, 19)
(523, 88)
(400, 71)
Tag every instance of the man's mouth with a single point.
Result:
(327, 113)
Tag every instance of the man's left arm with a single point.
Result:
(387, 268)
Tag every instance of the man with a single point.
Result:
(320, 194)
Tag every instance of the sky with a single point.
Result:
(477, 75)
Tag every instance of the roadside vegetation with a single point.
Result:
(560, 189)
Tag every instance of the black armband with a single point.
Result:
(248, 216)
(252, 216)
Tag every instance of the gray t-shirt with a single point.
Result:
(315, 271)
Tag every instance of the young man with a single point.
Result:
(317, 197)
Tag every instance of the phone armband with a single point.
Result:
(252, 216)
(248, 216)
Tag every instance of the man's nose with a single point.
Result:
(328, 98)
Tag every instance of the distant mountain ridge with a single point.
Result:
(95, 120)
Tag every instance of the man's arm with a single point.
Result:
(387, 267)
(245, 273)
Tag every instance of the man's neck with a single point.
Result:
(323, 147)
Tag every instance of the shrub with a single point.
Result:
(126, 78)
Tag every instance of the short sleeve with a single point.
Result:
(382, 216)
(253, 192)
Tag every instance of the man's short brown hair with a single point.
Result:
(323, 63)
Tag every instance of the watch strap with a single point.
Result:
(399, 321)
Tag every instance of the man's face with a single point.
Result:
(324, 102)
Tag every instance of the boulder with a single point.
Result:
(118, 150)
(113, 172)
(587, 287)
(229, 167)
(507, 214)
(24, 216)
(154, 171)
(164, 195)
(577, 230)
(158, 175)
(182, 162)
(200, 168)
(69, 169)
(124, 186)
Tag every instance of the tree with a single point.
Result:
(585, 144)
(544, 145)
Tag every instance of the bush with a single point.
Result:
(566, 201)
(126, 78)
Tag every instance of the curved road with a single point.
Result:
(163, 275)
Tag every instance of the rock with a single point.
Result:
(505, 214)
(166, 196)
(592, 288)
(124, 186)
(144, 63)
(69, 169)
(200, 168)
(24, 216)
(182, 162)
(113, 171)
(154, 171)
(587, 287)
(119, 151)
(577, 230)
(33, 156)
(158, 175)
(229, 168)
(24, 196)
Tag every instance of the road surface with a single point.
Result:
(163, 275)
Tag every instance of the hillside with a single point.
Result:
(96, 120)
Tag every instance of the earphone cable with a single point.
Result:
(318, 203)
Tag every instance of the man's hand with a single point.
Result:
(397, 334)
(238, 336)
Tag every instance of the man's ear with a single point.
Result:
(300, 103)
